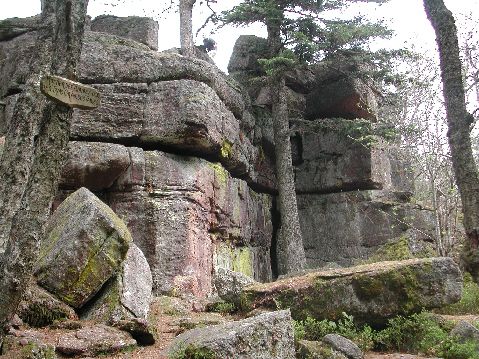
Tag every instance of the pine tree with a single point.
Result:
(297, 34)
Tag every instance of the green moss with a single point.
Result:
(239, 259)
(226, 150)
(221, 175)
(193, 352)
(394, 251)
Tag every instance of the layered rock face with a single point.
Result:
(353, 197)
(184, 156)
(168, 151)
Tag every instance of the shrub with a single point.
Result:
(312, 329)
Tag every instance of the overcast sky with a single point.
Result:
(406, 17)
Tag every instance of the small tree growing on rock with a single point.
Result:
(296, 34)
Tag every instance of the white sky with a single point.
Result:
(406, 17)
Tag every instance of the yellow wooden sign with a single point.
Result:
(70, 93)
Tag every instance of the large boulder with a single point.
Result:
(94, 165)
(141, 29)
(265, 336)
(127, 295)
(370, 293)
(346, 227)
(84, 246)
(188, 210)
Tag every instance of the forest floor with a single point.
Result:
(172, 316)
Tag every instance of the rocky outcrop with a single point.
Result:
(140, 29)
(189, 210)
(347, 227)
(94, 340)
(331, 161)
(145, 66)
(267, 335)
(370, 293)
(84, 246)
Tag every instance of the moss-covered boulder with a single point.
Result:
(371, 293)
(84, 246)
(268, 335)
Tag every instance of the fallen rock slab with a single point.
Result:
(98, 339)
(371, 293)
(127, 295)
(265, 336)
(84, 246)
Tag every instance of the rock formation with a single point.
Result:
(183, 154)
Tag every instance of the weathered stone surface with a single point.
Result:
(340, 92)
(14, 62)
(7, 106)
(85, 245)
(185, 115)
(343, 345)
(137, 283)
(39, 308)
(188, 204)
(141, 29)
(246, 52)
(94, 165)
(306, 349)
(346, 227)
(229, 284)
(148, 66)
(330, 162)
(126, 296)
(2, 143)
(465, 331)
(94, 340)
(120, 117)
(370, 293)
(264, 336)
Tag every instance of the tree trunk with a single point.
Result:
(186, 27)
(60, 46)
(290, 250)
(459, 123)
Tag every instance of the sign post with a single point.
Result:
(70, 93)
